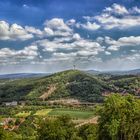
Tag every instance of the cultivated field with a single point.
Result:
(55, 112)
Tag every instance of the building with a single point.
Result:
(13, 103)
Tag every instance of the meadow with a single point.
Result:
(75, 114)
(50, 112)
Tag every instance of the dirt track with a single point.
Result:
(89, 121)
(52, 88)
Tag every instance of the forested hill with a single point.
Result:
(67, 84)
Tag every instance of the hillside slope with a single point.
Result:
(68, 84)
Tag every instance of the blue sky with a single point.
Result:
(54, 35)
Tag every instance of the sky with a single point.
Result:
(53, 35)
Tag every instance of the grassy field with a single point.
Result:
(77, 114)
(43, 112)
(73, 113)
(23, 114)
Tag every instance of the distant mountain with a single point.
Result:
(22, 75)
(93, 72)
(129, 72)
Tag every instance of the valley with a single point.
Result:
(25, 102)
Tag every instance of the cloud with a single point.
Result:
(13, 32)
(116, 9)
(57, 27)
(8, 56)
(121, 63)
(116, 16)
(115, 45)
(89, 26)
(76, 36)
(109, 22)
(59, 43)
(52, 28)
(71, 22)
(135, 10)
(107, 53)
(74, 46)
(57, 24)
(33, 30)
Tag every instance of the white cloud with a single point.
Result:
(76, 36)
(57, 24)
(109, 18)
(90, 26)
(115, 45)
(107, 53)
(53, 27)
(57, 27)
(110, 22)
(116, 16)
(71, 22)
(13, 32)
(48, 31)
(131, 40)
(63, 56)
(77, 47)
(59, 44)
(33, 30)
(135, 10)
(113, 48)
(116, 9)
(8, 56)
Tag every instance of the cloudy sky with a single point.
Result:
(54, 35)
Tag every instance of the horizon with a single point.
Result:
(2, 74)
(47, 36)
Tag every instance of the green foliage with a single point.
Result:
(69, 84)
(2, 134)
(120, 118)
(88, 132)
(27, 128)
(72, 83)
(73, 113)
(60, 129)
(63, 129)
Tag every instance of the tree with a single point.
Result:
(88, 132)
(119, 118)
(2, 134)
(59, 129)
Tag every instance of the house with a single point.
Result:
(13, 103)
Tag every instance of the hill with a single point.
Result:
(67, 84)
(71, 84)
